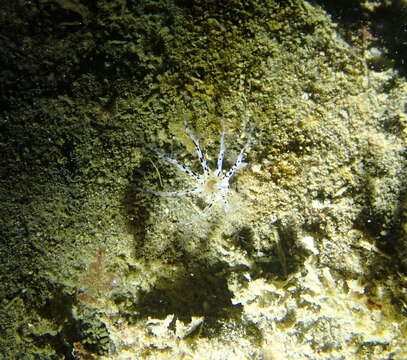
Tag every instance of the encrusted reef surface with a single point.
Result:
(304, 254)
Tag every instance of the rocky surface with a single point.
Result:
(308, 260)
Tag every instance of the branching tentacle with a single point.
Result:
(178, 165)
(175, 193)
(236, 165)
(221, 154)
(212, 186)
(199, 151)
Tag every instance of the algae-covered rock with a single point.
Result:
(301, 256)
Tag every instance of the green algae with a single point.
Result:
(87, 91)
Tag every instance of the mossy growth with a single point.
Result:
(88, 89)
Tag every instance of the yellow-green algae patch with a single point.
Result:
(308, 261)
